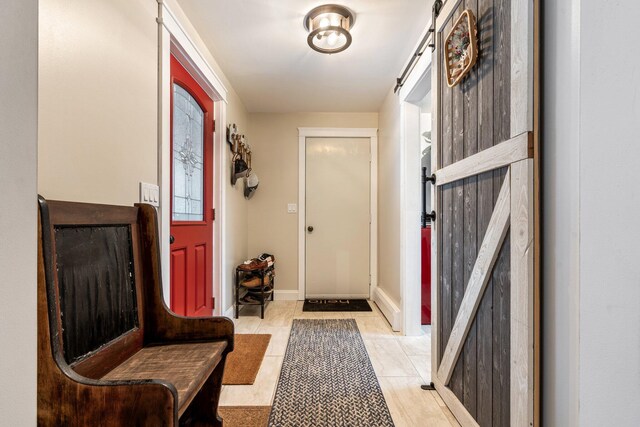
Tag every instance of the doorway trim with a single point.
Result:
(303, 134)
(174, 39)
(410, 209)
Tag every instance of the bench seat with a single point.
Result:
(186, 366)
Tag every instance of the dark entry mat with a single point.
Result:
(336, 305)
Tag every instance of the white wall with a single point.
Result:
(236, 216)
(591, 331)
(609, 208)
(18, 162)
(274, 139)
(98, 99)
(389, 179)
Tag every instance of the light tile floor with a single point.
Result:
(401, 363)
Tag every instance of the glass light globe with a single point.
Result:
(332, 39)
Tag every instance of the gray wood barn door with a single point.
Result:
(485, 251)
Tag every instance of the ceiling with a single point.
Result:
(262, 48)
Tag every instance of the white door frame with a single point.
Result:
(410, 205)
(174, 39)
(303, 134)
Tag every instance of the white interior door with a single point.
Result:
(337, 217)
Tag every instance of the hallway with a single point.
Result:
(401, 363)
(160, 115)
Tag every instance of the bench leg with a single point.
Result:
(204, 408)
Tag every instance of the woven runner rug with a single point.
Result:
(327, 379)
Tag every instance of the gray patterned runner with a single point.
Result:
(327, 379)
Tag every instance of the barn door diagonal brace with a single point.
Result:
(487, 255)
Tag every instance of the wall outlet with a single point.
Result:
(150, 194)
(292, 208)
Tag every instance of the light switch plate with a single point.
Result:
(150, 194)
(292, 208)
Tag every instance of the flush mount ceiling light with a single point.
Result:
(328, 27)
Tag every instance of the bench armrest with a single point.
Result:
(76, 400)
(169, 327)
(162, 325)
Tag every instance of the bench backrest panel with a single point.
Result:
(96, 281)
(96, 298)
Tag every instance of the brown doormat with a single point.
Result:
(244, 416)
(244, 361)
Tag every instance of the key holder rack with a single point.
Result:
(241, 154)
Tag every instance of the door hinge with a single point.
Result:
(213, 214)
(214, 125)
(213, 303)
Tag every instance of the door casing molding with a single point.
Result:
(173, 39)
(410, 245)
(303, 134)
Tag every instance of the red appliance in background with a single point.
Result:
(425, 309)
(425, 231)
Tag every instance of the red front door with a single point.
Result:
(191, 195)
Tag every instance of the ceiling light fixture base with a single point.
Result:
(328, 26)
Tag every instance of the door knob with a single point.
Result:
(171, 239)
(310, 229)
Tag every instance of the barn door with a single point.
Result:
(485, 246)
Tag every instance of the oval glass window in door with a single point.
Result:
(188, 155)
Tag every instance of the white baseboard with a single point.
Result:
(286, 295)
(389, 308)
(228, 312)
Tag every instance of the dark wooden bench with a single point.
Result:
(110, 353)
